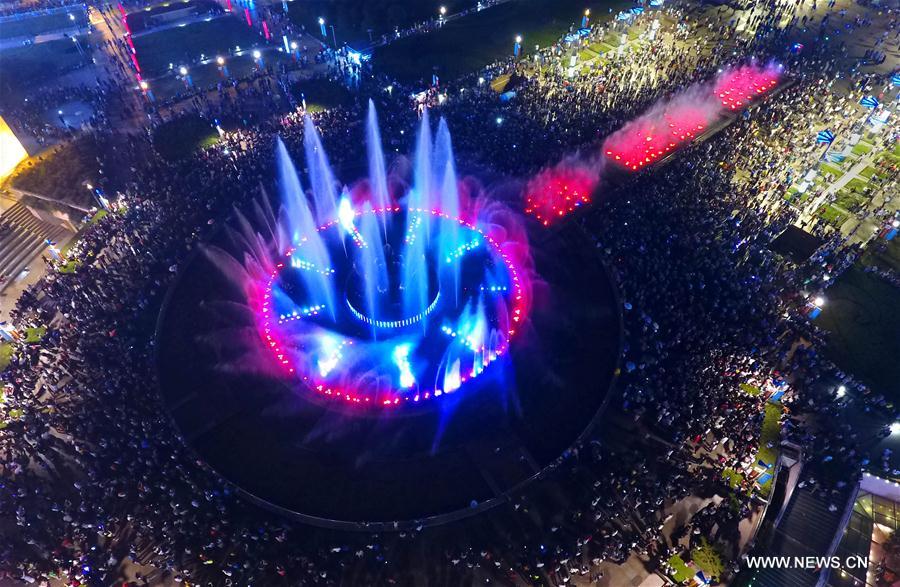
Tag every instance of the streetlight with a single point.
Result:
(220, 60)
(257, 54)
(188, 82)
(518, 46)
(585, 18)
(841, 391)
(819, 301)
(441, 13)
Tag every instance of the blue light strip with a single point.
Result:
(395, 323)
(301, 313)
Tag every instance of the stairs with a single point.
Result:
(807, 528)
(22, 238)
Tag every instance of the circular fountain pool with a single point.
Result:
(351, 331)
(382, 366)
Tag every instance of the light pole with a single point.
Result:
(257, 58)
(441, 13)
(145, 88)
(185, 76)
(322, 28)
(223, 69)
(517, 48)
(586, 18)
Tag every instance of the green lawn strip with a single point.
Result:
(6, 352)
(887, 259)
(587, 55)
(29, 66)
(179, 138)
(832, 215)
(769, 434)
(750, 389)
(680, 571)
(861, 148)
(862, 319)
(183, 45)
(857, 185)
(69, 266)
(849, 200)
(43, 23)
(833, 170)
(467, 44)
(733, 478)
(322, 94)
(869, 172)
(709, 559)
(33, 335)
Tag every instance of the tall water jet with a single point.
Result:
(320, 174)
(377, 169)
(444, 171)
(379, 302)
(414, 268)
(302, 229)
(420, 197)
(373, 266)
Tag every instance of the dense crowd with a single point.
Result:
(97, 486)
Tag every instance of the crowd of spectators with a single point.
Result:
(97, 486)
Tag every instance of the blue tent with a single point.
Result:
(869, 102)
(825, 136)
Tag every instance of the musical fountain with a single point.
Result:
(385, 351)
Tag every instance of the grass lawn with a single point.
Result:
(465, 45)
(69, 266)
(832, 169)
(142, 18)
(849, 201)
(682, 572)
(43, 23)
(733, 478)
(769, 434)
(184, 45)
(352, 20)
(61, 172)
(861, 148)
(869, 172)
(321, 94)
(708, 558)
(888, 259)
(862, 318)
(179, 138)
(33, 335)
(832, 215)
(750, 389)
(6, 351)
(25, 68)
(857, 185)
